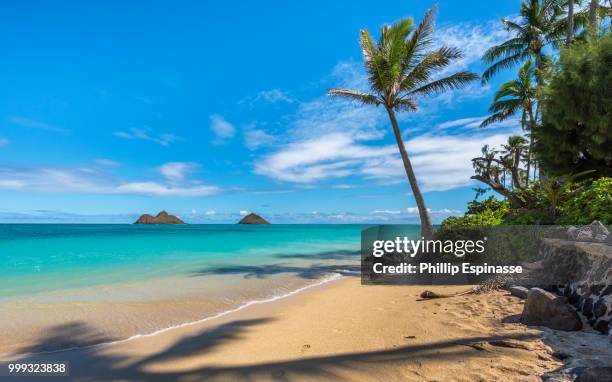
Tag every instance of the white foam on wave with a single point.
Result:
(323, 280)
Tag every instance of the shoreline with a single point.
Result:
(322, 281)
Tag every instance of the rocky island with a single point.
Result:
(253, 219)
(162, 218)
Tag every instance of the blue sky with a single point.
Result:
(211, 110)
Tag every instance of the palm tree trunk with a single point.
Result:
(531, 126)
(570, 22)
(593, 14)
(426, 226)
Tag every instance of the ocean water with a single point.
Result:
(116, 282)
(41, 258)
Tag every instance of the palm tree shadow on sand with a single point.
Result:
(94, 363)
(313, 271)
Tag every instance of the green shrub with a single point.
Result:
(486, 213)
(595, 203)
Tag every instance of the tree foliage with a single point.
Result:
(576, 131)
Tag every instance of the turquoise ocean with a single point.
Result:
(40, 257)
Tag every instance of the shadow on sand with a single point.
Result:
(95, 363)
(314, 271)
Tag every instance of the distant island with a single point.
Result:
(161, 218)
(253, 219)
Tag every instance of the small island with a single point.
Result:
(253, 219)
(162, 218)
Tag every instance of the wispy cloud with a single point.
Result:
(474, 123)
(272, 96)
(38, 125)
(223, 130)
(255, 138)
(158, 189)
(86, 180)
(4, 142)
(107, 162)
(147, 134)
(176, 172)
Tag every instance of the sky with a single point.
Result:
(211, 110)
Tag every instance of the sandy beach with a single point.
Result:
(339, 331)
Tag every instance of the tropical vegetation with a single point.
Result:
(560, 170)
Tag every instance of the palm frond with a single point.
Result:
(373, 61)
(354, 95)
(454, 81)
(405, 105)
(502, 64)
(433, 61)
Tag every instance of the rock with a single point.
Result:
(595, 374)
(253, 219)
(519, 291)
(595, 232)
(585, 268)
(545, 309)
(162, 218)
(572, 233)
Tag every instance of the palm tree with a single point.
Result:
(400, 69)
(512, 156)
(512, 96)
(541, 23)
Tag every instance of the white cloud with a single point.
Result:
(441, 162)
(222, 129)
(4, 141)
(11, 184)
(210, 213)
(107, 162)
(176, 172)
(473, 40)
(387, 212)
(272, 96)
(38, 125)
(474, 122)
(256, 138)
(244, 213)
(90, 181)
(147, 134)
(157, 189)
(469, 122)
(343, 186)
(327, 156)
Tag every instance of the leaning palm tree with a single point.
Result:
(514, 96)
(540, 23)
(400, 69)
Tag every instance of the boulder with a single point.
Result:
(585, 270)
(253, 219)
(518, 291)
(162, 218)
(596, 232)
(595, 374)
(546, 309)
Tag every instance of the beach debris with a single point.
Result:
(518, 291)
(546, 309)
(427, 294)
